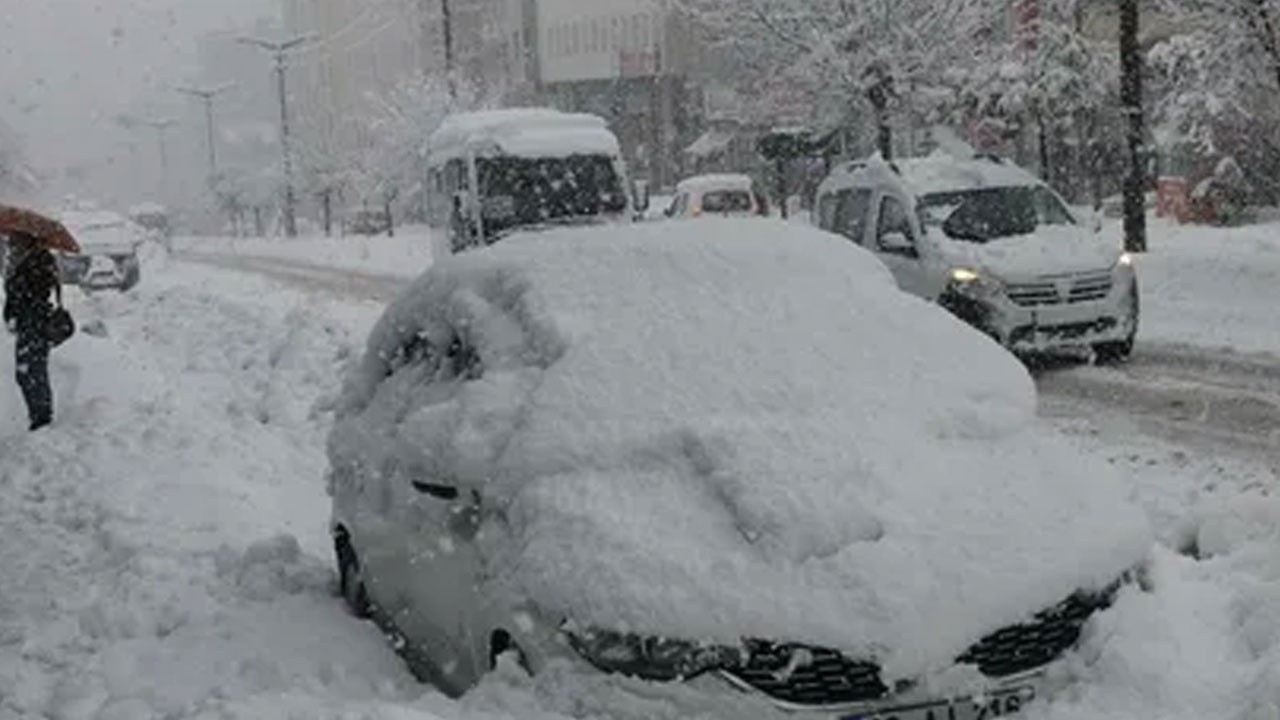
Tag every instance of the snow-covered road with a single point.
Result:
(165, 553)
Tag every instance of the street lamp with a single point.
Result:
(280, 50)
(207, 95)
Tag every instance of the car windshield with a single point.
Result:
(987, 214)
(726, 201)
(519, 191)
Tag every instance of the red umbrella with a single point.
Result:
(49, 232)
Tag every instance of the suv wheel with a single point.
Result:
(1111, 353)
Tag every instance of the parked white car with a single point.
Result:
(715, 195)
(109, 251)
(727, 458)
(993, 244)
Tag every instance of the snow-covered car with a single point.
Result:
(153, 219)
(109, 251)
(365, 221)
(494, 172)
(720, 195)
(992, 243)
(729, 458)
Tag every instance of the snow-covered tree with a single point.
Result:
(1217, 87)
(848, 56)
(1055, 85)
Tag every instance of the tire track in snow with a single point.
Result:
(306, 276)
(1201, 397)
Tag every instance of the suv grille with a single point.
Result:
(1082, 288)
(827, 677)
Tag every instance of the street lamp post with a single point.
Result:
(280, 51)
(207, 96)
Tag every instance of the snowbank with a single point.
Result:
(1210, 287)
(722, 429)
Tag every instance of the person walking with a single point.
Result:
(31, 279)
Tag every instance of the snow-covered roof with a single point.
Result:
(940, 172)
(89, 219)
(735, 428)
(526, 132)
(709, 183)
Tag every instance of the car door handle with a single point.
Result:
(440, 492)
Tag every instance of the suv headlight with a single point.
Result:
(974, 284)
(652, 658)
(1124, 261)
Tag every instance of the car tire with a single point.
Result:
(501, 644)
(1112, 353)
(351, 582)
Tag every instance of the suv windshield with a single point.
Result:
(530, 191)
(986, 214)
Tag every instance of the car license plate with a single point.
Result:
(995, 704)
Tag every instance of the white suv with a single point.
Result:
(993, 244)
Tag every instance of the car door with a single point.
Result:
(438, 523)
(897, 243)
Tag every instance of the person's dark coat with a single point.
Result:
(28, 290)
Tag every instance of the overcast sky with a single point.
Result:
(69, 67)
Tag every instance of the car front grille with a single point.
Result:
(1027, 646)
(1034, 294)
(1087, 287)
(812, 676)
(808, 675)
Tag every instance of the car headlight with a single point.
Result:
(974, 284)
(653, 658)
(1125, 260)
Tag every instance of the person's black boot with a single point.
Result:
(37, 424)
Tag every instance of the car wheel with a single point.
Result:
(500, 645)
(1111, 353)
(351, 581)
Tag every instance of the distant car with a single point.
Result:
(109, 257)
(719, 195)
(153, 219)
(366, 221)
(993, 244)
(777, 486)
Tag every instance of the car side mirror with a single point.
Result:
(896, 243)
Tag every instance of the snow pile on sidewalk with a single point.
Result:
(407, 255)
(1211, 287)
(166, 553)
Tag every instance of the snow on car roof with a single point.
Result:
(147, 208)
(91, 219)
(705, 183)
(734, 428)
(940, 172)
(525, 132)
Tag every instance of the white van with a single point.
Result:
(993, 244)
(497, 171)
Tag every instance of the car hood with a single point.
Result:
(733, 429)
(1051, 250)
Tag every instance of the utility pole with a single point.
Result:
(1135, 212)
(446, 22)
(207, 95)
(281, 50)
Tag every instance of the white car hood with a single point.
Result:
(733, 429)
(1051, 250)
